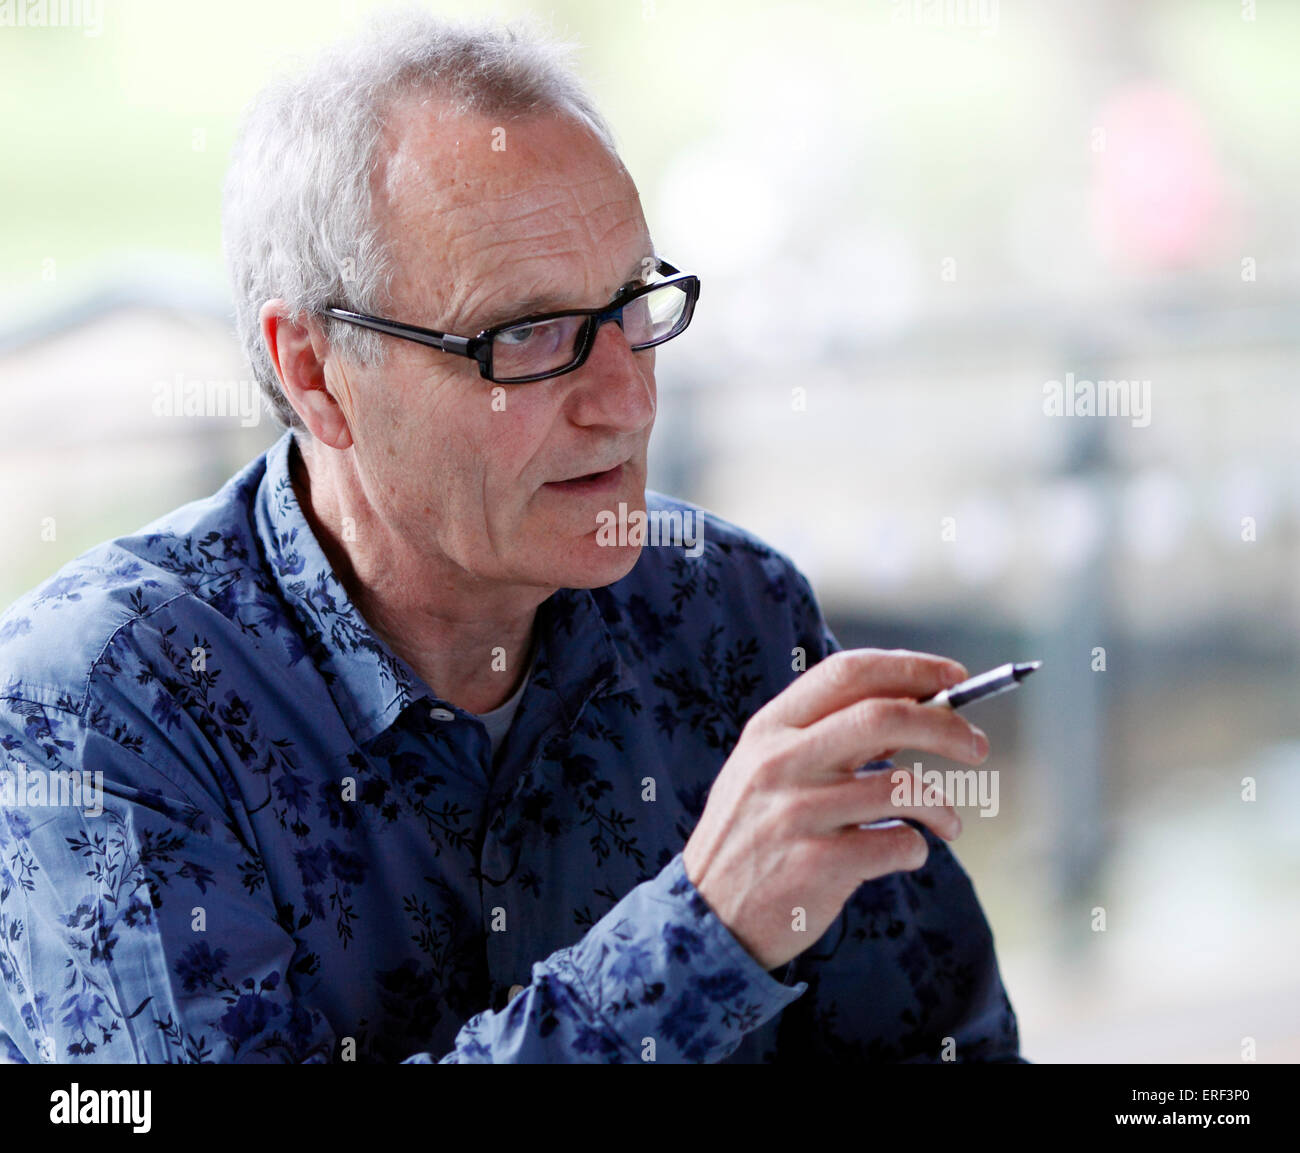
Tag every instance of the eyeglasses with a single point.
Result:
(538, 347)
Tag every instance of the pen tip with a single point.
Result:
(1026, 667)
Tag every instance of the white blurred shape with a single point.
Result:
(720, 204)
(1245, 491)
(983, 545)
(866, 281)
(1155, 513)
(884, 554)
(1069, 524)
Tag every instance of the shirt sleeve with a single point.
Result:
(908, 972)
(658, 978)
(137, 925)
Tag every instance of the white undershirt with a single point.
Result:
(498, 720)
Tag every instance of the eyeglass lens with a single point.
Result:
(548, 345)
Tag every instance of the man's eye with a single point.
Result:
(518, 335)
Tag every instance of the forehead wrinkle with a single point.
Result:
(564, 203)
(481, 306)
(473, 288)
(428, 152)
(495, 195)
(466, 244)
(599, 221)
(485, 281)
(446, 200)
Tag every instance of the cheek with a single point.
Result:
(424, 447)
(512, 435)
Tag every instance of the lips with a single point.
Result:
(592, 475)
(591, 481)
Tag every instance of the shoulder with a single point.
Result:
(745, 563)
(54, 637)
(697, 566)
(710, 628)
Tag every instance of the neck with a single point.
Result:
(469, 643)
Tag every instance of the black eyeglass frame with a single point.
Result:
(479, 347)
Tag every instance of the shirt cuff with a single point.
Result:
(669, 978)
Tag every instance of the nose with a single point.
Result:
(616, 387)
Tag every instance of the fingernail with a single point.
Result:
(979, 742)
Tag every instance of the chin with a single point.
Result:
(588, 565)
(593, 566)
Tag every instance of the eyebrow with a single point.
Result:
(535, 305)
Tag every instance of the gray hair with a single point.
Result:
(297, 219)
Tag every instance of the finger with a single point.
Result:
(876, 797)
(864, 730)
(873, 853)
(856, 674)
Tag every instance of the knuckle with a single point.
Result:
(804, 857)
(799, 810)
(814, 856)
(769, 762)
(841, 670)
(881, 713)
(766, 770)
(916, 666)
(883, 783)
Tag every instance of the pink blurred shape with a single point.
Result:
(1157, 192)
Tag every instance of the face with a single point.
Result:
(479, 475)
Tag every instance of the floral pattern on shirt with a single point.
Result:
(299, 861)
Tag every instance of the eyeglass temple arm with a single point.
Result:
(442, 340)
(461, 345)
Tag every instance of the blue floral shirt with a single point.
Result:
(298, 853)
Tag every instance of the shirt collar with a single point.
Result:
(577, 657)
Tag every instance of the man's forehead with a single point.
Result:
(428, 143)
(526, 202)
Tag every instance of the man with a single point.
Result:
(399, 756)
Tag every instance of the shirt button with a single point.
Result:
(441, 714)
(515, 990)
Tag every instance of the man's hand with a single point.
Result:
(780, 829)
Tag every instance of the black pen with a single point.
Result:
(976, 688)
(989, 684)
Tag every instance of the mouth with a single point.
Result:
(605, 481)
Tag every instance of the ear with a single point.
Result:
(301, 356)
